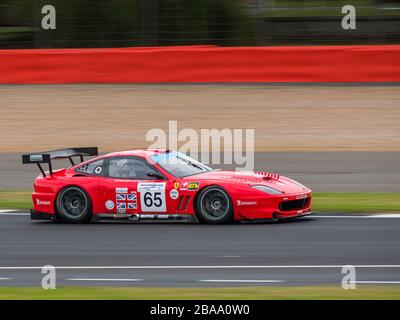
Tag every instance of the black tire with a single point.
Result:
(74, 205)
(214, 206)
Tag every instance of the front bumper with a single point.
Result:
(273, 207)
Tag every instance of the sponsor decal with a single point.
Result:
(132, 205)
(193, 186)
(109, 204)
(149, 186)
(147, 216)
(42, 203)
(131, 197)
(154, 216)
(36, 157)
(98, 170)
(245, 203)
(133, 217)
(121, 190)
(121, 197)
(174, 194)
(162, 216)
(121, 215)
(176, 185)
(184, 186)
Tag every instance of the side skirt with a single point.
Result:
(144, 218)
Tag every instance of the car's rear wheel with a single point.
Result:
(214, 206)
(74, 205)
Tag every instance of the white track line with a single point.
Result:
(208, 267)
(5, 278)
(13, 213)
(104, 279)
(243, 281)
(7, 210)
(376, 282)
(375, 216)
(394, 215)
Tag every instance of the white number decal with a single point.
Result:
(152, 196)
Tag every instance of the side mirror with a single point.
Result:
(152, 174)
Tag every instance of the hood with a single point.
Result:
(273, 180)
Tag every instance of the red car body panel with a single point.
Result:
(249, 203)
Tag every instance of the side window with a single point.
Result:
(129, 168)
(95, 168)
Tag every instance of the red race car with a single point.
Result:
(161, 185)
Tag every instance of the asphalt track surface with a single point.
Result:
(321, 171)
(308, 251)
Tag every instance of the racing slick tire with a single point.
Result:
(74, 205)
(214, 206)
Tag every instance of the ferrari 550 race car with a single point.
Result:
(161, 185)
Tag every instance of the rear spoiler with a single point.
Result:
(47, 156)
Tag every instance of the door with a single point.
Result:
(131, 185)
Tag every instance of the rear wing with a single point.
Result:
(47, 156)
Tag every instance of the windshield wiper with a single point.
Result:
(192, 164)
(196, 166)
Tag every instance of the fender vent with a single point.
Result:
(184, 202)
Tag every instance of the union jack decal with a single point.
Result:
(131, 197)
(121, 205)
(121, 197)
(132, 205)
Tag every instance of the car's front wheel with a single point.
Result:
(214, 206)
(73, 205)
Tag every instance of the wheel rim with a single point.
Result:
(73, 203)
(214, 204)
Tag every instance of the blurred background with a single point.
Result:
(129, 23)
(340, 118)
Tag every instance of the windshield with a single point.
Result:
(179, 164)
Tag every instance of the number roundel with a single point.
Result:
(153, 199)
(152, 196)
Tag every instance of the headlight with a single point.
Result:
(266, 189)
(298, 184)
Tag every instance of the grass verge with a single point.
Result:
(15, 199)
(356, 202)
(240, 293)
(322, 201)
